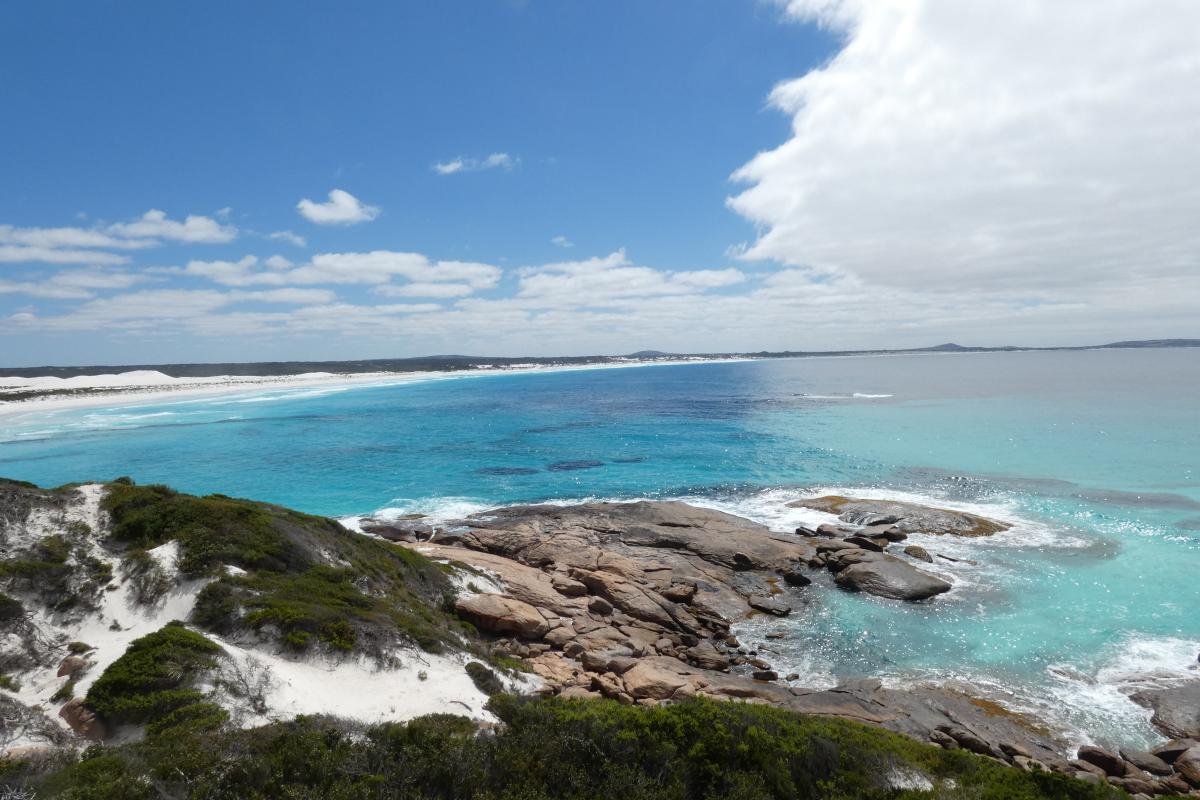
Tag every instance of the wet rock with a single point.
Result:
(890, 577)
(1146, 761)
(769, 605)
(918, 552)
(794, 576)
(1110, 762)
(766, 675)
(909, 517)
(498, 614)
(864, 543)
(1176, 709)
(397, 530)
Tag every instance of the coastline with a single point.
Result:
(158, 387)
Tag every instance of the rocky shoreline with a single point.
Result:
(636, 602)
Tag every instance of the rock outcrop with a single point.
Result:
(1176, 709)
(906, 517)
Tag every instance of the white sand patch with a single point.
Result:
(356, 688)
(119, 619)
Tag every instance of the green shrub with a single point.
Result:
(79, 648)
(212, 530)
(10, 683)
(151, 678)
(484, 679)
(568, 750)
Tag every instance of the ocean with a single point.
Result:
(1093, 455)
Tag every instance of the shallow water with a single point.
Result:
(1093, 456)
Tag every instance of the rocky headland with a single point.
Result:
(637, 602)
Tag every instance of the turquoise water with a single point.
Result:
(1093, 456)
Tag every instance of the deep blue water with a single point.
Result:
(1093, 454)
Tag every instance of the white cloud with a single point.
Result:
(50, 255)
(439, 290)
(289, 237)
(72, 284)
(342, 208)
(233, 273)
(289, 295)
(990, 147)
(463, 164)
(561, 241)
(194, 229)
(380, 266)
(613, 279)
(67, 238)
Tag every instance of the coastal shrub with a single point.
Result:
(568, 750)
(43, 570)
(484, 679)
(212, 530)
(151, 679)
(79, 648)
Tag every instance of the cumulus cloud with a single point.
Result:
(17, 254)
(155, 224)
(49, 238)
(989, 146)
(463, 164)
(289, 237)
(561, 241)
(342, 208)
(613, 278)
(380, 266)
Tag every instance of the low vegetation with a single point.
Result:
(548, 749)
(299, 578)
(152, 681)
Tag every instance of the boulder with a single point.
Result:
(890, 577)
(766, 675)
(679, 592)
(864, 543)
(651, 679)
(706, 656)
(568, 586)
(794, 576)
(1176, 709)
(1146, 761)
(1173, 749)
(598, 605)
(909, 517)
(918, 552)
(498, 614)
(769, 605)
(1110, 762)
(1188, 766)
(397, 530)
(72, 665)
(83, 720)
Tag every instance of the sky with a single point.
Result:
(235, 181)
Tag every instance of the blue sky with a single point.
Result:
(568, 177)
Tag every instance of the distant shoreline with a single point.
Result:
(142, 387)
